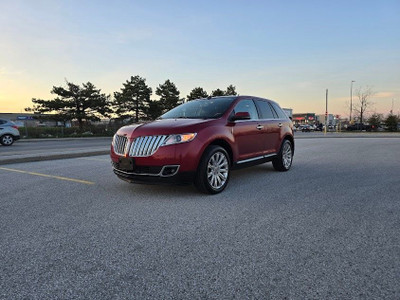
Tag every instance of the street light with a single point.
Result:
(351, 98)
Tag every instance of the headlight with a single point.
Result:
(179, 138)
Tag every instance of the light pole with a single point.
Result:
(326, 111)
(351, 98)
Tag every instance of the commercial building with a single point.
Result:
(288, 111)
(32, 120)
(304, 118)
(333, 120)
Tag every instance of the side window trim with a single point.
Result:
(260, 114)
(273, 111)
(281, 115)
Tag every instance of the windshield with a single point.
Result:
(200, 109)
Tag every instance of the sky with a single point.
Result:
(288, 51)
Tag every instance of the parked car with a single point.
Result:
(319, 127)
(202, 140)
(9, 132)
(307, 128)
(360, 127)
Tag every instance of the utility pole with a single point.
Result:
(351, 99)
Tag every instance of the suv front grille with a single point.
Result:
(146, 145)
(120, 144)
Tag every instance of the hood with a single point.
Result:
(164, 127)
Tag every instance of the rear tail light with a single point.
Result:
(15, 126)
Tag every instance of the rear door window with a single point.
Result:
(265, 110)
(281, 114)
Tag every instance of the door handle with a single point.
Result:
(259, 127)
(280, 125)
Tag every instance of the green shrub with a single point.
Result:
(391, 122)
(59, 132)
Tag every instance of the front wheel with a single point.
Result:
(283, 161)
(7, 140)
(213, 172)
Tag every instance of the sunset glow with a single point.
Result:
(288, 51)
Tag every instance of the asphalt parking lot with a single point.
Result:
(327, 229)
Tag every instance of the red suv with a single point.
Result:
(202, 140)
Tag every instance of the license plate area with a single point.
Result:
(126, 164)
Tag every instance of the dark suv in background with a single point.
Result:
(360, 127)
(202, 140)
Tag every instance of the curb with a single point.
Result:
(345, 136)
(51, 157)
(63, 139)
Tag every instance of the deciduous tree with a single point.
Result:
(364, 102)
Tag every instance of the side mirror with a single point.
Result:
(241, 115)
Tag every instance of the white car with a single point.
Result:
(8, 132)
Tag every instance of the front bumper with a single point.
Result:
(155, 178)
(169, 164)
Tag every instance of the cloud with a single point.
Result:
(5, 72)
(384, 95)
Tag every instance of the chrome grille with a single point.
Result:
(120, 144)
(146, 145)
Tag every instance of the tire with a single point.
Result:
(213, 172)
(283, 161)
(7, 140)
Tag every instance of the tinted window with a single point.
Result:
(265, 110)
(247, 106)
(279, 111)
(200, 109)
(2, 121)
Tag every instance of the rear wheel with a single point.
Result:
(7, 140)
(283, 161)
(213, 172)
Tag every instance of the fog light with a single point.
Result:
(169, 170)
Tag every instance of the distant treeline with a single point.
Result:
(132, 103)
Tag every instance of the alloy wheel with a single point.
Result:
(217, 170)
(7, 140)
(287, 155)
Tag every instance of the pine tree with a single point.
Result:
(197, 93)
(391, 122)
(217, 92)
(153, 110)
(231, 91)
(84, 103)
(133, 100)
(169, 95)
